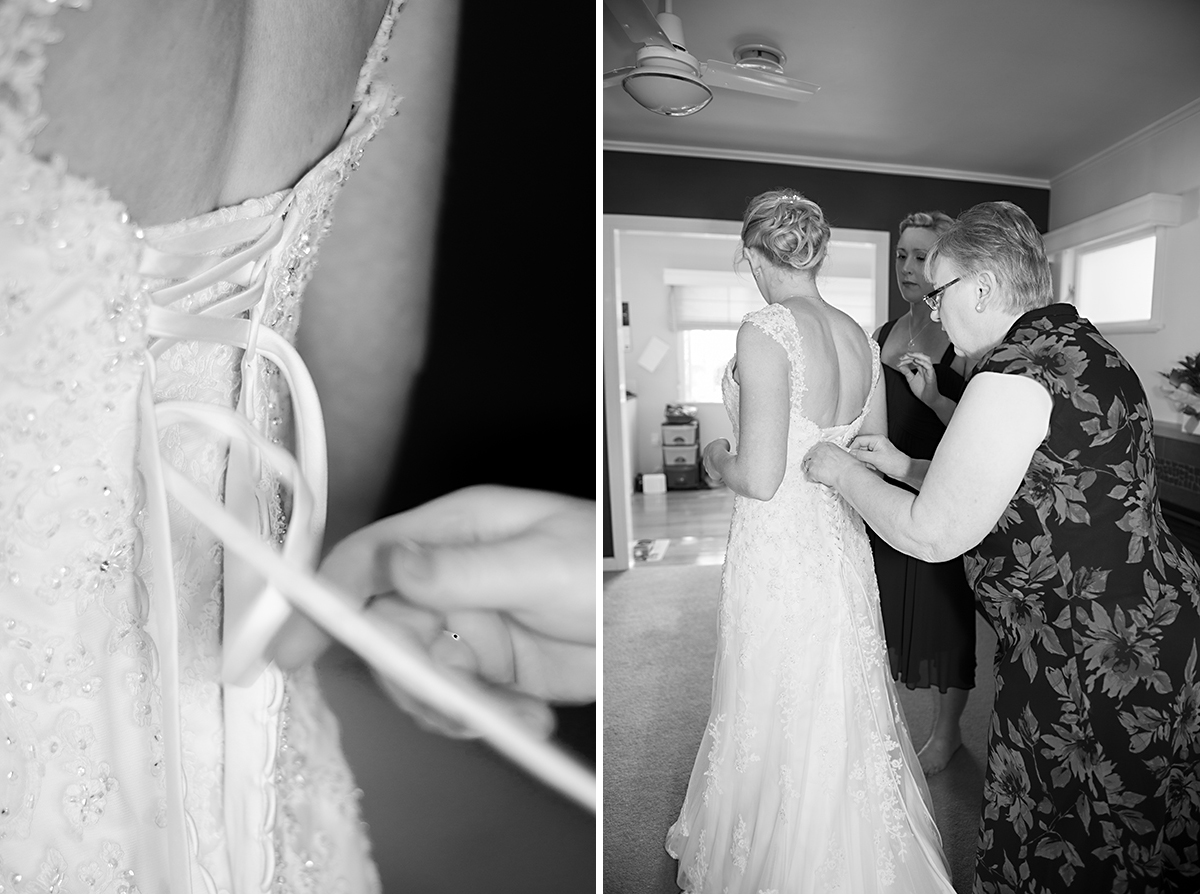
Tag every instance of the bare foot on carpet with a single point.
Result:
(936, 753)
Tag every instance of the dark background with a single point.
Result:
(674, 186)
(508, 391)
(508, 394)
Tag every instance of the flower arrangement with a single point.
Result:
(1183, 390)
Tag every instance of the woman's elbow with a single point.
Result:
(933, 553)
(928, 546)
(944, 548)
(763, 487)
(934, 537)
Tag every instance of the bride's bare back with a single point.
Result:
(182, 107)
(837, 363)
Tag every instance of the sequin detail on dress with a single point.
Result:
(93, 782)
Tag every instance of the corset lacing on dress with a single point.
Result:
(254, 610)
(240, 253)
(236, 320)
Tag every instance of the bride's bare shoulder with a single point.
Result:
(179, 106)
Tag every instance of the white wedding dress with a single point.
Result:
(806, 779)
(125, 764)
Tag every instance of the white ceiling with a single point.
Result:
(1012, 90)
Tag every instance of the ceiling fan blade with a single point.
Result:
(752, 80)
(638, 22)
(617, 75)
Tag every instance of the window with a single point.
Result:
(1115, 283)
(703, 354)
(707, 306)
(1104, 264)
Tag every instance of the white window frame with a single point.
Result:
(1148, 215)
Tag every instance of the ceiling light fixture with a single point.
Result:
(667, 80)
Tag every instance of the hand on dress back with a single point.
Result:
(881, 455)
(824, 462)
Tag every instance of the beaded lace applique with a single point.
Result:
(79, 662)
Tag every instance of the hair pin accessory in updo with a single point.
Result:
(787, 229)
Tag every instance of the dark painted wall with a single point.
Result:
(677, 186)
(508, 391)
(507, 396)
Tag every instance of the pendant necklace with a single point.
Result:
(912, 337)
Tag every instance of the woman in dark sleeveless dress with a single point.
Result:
(928, 610)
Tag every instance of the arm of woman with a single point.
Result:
(977, 468)
(756, 470)
(883, 456)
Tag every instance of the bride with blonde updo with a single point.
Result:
(805, 778)
(788, 229)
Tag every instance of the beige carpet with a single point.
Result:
(660, 631)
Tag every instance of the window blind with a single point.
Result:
(713, 299)
(709, 299)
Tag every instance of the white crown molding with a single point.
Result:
(839, 164)
(1150, 131)
(1154, 209)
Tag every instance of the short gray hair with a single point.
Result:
(999, 237)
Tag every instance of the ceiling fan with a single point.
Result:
(670, 81)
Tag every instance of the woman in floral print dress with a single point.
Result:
(1046, 481)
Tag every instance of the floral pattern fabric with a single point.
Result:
(1093, 776)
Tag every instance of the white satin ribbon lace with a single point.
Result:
(262, 581)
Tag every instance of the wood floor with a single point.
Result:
(695, 524)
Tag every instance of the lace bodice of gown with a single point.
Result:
(802, 532)
(779, 323)
(114, 770)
